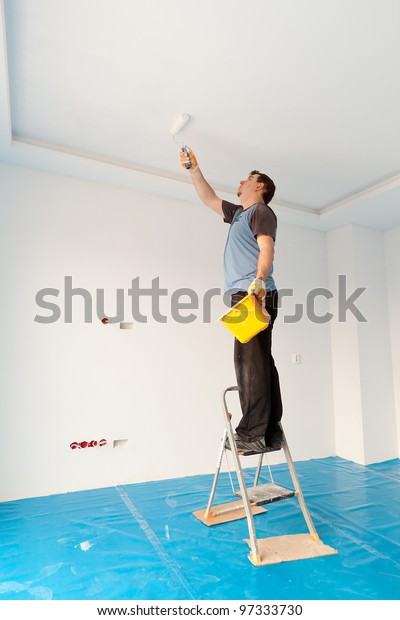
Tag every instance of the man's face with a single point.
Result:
(247, 186)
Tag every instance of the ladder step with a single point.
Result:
(268, 449)
(266, 493)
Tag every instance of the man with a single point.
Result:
(248, 267)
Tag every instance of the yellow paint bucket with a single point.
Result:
(246, 319)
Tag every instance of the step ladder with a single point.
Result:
(269, 550)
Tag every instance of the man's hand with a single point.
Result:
(257, 288)
(188, 159)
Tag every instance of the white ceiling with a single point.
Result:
(305, 90)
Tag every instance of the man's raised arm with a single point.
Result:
(205, 192)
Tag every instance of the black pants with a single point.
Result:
(258, 380)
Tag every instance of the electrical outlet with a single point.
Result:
(119, 443)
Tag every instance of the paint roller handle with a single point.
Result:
(188, 159)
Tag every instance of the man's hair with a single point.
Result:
(269, 186)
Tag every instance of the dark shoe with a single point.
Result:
(235, 437)
(275, 439)
(256, 445)
(274, 447)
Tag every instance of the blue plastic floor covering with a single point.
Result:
(141, 541)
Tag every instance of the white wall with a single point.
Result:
(159, 385)
(365, 424)
(392, 256)
(301, 265)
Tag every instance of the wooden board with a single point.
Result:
(226, 517)
(291, 547)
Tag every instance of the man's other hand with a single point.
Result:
(257, 288)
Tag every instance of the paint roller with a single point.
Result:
(179, 124)
(177, 127)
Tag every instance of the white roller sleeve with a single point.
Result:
(179, 123)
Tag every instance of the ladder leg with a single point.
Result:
(255, 555)
(214, 484)
(257, 476)
(297, 487)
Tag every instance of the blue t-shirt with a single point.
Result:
(241, 249)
